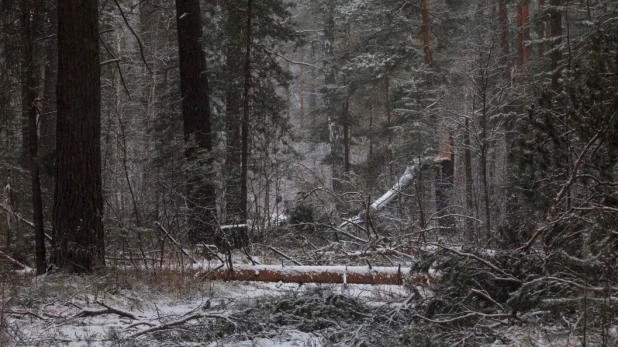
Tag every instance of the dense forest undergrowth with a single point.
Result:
(310, 172)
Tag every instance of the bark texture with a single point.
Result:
(196, 121)
(31, 24)
(78, 203)
(233, 116)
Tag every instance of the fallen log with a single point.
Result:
(320, 274)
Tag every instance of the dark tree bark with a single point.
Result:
(196, 121)
(389, 138)
(541, 28)
(301, 85)
(244, 169)
(31, 24)
(233, 103)
(426, 32)
(523, 18)
(346, 135)
(556, 34)
(504, 39)
(332, 102)
(444, 185)
(484, 151)
(78, 203)
(47, 120)
(313, 97)
(470, 229)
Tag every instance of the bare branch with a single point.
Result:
(180, 322)
(139, 41)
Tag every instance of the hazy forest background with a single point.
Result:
(464, 151)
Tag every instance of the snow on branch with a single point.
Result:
(181, 321)
(319, 274)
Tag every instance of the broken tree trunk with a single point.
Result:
(404, 180)
(320, 274)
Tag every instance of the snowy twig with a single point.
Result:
(468, 315)
(182, 321)
(106, 310)
(25, 313)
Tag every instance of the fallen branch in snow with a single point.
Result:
(138, 323)
(320, 274)
(465, 316)
(15, 262)
(106, 310)
(24, 313)
(181, 321)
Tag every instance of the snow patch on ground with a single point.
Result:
(55, 306)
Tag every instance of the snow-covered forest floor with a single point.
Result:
(180, 308)
(59, 310)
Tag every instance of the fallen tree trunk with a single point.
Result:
(404, 180)
(320, 274)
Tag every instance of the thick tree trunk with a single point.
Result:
(31, 22)
(233, 117)
(78, 203)
(196, 121)
(47, 120)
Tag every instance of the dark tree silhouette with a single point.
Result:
(78, 200)
(196, 120)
